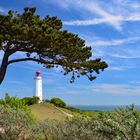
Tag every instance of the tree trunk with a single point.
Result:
(3, 67)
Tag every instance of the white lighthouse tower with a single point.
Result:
(38, 85)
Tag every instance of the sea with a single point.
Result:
(102, 107)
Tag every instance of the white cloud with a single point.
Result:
(66, 4)
(134, 17)
(115, 21)
(127, 48)
(3, 10)
(105, 16)
(116, 89)
(103, 88)
(96, 21)
(88, 6)
(126, 56)
(115, 42)
(127, 53)
(122, 53)
(93, 8)
(136, 5)
(119, 68)
(114, 13)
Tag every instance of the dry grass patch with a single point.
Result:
(47, 111)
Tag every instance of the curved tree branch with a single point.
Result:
(29, 59)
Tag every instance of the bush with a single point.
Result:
(46, 101)
(17, 103)
(58, 102)
(16, 124)
(31, 100)
(13, 102)
(75, 129)
(73, 109)
(121, 124)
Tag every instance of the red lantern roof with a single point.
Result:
(38, 72)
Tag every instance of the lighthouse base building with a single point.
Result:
(38, 85)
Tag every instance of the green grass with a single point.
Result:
(47, 111)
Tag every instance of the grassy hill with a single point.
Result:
(49, 111)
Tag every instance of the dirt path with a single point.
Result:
(67, 114)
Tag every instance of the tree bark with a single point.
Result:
(3, 67)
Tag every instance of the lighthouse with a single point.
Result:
(38, 85)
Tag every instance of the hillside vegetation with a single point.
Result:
(19, 124)
(49, 111)
(50, 122)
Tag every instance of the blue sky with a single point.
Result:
(111, 27)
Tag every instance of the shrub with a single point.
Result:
(16, 124)
(46, 101)
(122, 124)
(73, 109)
(13, 102)
(58, 102)
(31, 100)
(73, 129)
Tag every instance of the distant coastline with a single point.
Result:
(101, 107)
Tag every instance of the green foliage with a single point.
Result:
(16, 124)
(83, 112)
(46, 101)
(73, 109)
(13, 102)
(58, 102)
(75, 129)
(17, 103)
(44, 42)
(31, 100)
(121, 124)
